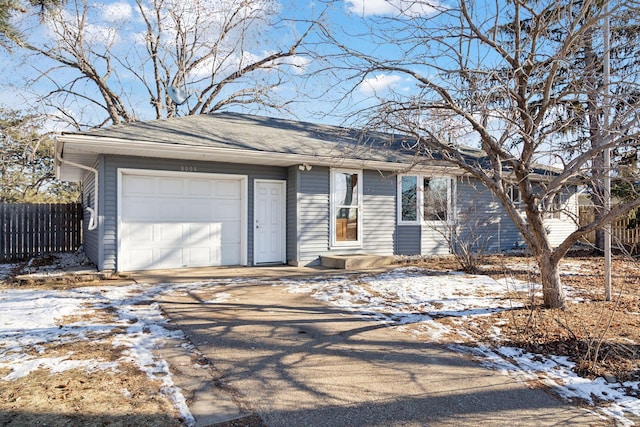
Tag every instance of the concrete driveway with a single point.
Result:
(296, 362)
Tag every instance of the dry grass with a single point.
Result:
(602, 337)
(124, 396)
(121, 397)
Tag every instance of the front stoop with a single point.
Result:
(352, 262)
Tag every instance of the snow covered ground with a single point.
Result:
(29, 319)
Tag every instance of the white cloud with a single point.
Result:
(298, 63)
(98, 34)
(392, 7)
(378, 83)
(232, 62)
(114, 12)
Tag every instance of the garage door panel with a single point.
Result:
(169, 234)
(228, 233)
(171, 186)
(228, 210)
(139, 232)
(168, 257)
(230, 254)
(202, 257)
(136, 257)
(200, 187)
(198, 233)
(228, 189)
(202, 210)
(168, 209)
(172, 222)
(136, 209)
(138, 185)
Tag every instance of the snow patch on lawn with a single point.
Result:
(5, 270)
(23, 366)
(31, 319)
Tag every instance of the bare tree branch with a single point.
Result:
(202, 48)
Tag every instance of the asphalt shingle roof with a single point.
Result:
(270, 135)
(264, 134)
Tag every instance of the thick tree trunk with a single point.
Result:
(552, 290)
(535, 234)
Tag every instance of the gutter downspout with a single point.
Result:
(93, 223)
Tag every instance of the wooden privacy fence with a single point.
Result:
(28, 230)
(621, 234)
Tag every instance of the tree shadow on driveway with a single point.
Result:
(296, 361)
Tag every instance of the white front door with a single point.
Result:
(269, 222)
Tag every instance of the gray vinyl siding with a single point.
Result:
(90, 238)
(292, 215)
(313, 214)
(408, 240)
(482, 217)
(379, 213)
(110, 214)
(434, 239)
(113, 163)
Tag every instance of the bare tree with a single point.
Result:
(504, 74)
(114, 61)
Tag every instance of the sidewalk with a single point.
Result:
(297, 362)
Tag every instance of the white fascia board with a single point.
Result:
(98, 145)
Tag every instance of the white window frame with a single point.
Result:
(517, 202)
(555, 207)
(419, 202)
(333, 208)
(451, 208)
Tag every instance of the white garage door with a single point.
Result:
(180, 220)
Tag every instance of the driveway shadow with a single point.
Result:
(298, 362)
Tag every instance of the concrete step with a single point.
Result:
(352, 262)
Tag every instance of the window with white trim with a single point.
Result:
(436, 198)
(514, 195)
(346, 207)
(408, 196)
(424, 198)
(555, 207)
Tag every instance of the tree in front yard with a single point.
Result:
(501, 75)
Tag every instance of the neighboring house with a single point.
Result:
(232, 189)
